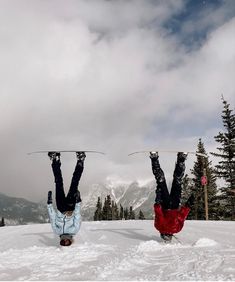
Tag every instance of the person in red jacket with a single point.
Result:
(169, 215)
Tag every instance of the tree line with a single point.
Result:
(2, 222)
(220, 199)
(212, 201)
(110, 211)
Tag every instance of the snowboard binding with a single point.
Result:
(54, 156)
(81, 156)
(154, 155)
(182, 156)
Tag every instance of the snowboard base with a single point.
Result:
(66, 151)
(168, 151)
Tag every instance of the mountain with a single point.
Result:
(139, 197)
(18, 211)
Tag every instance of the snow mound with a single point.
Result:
(205, 242)
(148, 246)
(152, 246)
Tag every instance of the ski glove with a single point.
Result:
(190, 201)
(78, 197)
(49, 198)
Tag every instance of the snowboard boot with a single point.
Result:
(180, 167)
(154, 155)
(54, 156)
(181, 157)
(81, 156)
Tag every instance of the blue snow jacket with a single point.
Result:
(63, 224)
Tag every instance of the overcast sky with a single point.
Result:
(114, 76)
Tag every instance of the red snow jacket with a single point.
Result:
(170, 221)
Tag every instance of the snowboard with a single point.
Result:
(66, 151)
(168, 151)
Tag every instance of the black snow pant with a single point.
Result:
(168, 200)
(66, 203)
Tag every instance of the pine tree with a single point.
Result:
(121, 215)
(141, 215)
(105, 210)
(2, 223)
(126, 214)
(109, 208)
(115, 212)
(225, 169)
(98, 212)
(202, 167)
(131, 214)
(187, 187)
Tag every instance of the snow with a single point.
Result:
(121, 251)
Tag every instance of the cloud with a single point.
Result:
(108, 76)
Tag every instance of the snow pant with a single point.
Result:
(66, 203)
(168, 200)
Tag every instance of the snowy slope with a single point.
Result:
(119, 250)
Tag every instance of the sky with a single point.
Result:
(113, 76)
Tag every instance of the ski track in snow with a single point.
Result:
(119, 250)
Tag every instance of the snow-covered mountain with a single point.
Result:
(133, 194)
(20, 211)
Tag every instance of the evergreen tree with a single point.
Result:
(126, 214)
(121, 215)
(202, 167)
(225, 169)
(131, 214)
(105, 210)
(115, 212)
(187, 187)
(109, 208)
(98, 212)
(2, 223)
(141, 215)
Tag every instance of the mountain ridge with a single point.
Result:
(18, 211)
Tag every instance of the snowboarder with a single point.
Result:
(169, 215)
(67, 220)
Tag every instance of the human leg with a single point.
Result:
(74, 194)
(176, 189)
(60, 195)
(162, 193)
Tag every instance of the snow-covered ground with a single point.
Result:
(119, 250)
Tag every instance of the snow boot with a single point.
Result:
(54, 156)
(153, 155)
(81, 156)
(181, 157)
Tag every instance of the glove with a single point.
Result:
(78, 197)
(49, 198)
(190, 201)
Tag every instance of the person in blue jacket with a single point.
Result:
(66, 221)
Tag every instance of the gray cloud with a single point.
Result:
(104, 75)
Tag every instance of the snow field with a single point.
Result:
(119, 250)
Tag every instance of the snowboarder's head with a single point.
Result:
(66, 239)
